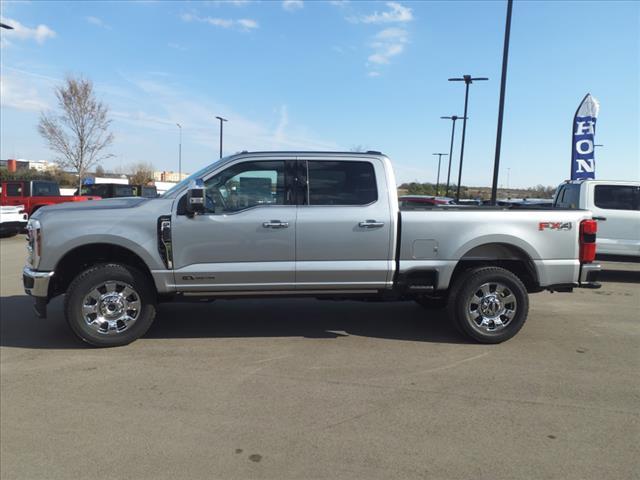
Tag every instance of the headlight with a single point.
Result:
(34, 245)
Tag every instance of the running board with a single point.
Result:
(421, 288)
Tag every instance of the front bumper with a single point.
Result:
(36, 283)
(589, 274)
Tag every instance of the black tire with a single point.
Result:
(466, 290)
(92, 278)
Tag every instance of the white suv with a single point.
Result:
(616, 202)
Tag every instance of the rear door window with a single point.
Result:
(45, 189)
(341, 183)
(617, 197)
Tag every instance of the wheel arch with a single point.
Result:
(82, 257)
(500, 254)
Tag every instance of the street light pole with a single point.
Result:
(503, 86)
(453, 119)
(468, 80)
(222, 120)
(438, 177)
(180, 153)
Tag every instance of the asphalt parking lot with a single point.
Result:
(308, 389)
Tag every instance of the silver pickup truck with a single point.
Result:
(317, 224)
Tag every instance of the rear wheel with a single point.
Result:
(110, 305)
(488, 304)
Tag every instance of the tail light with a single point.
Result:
(588, 229)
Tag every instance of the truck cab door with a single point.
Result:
(245, 240)
(345, 227)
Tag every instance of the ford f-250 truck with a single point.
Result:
(317, 224)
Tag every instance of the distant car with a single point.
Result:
(468, 201)
(616, 203)
(119, 190)
(109, 190)
(421, 201)
(13, 220)
(147, 191)
(33, 194)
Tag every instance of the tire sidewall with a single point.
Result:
(469, 283)
(95, 276)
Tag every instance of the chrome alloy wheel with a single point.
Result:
(111, 307)
(492, 307)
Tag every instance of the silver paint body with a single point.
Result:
(324, 248)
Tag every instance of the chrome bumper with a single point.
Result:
(589, 274)
(36, 283)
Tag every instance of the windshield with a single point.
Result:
(180, 185)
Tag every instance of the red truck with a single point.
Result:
(34, 194)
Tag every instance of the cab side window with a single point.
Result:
(617, 197)
(341, 183)
(14, 189)
(246, 185)
(569, 196)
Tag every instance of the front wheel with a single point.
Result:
(488, 304)
(110, 305)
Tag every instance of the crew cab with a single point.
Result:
(616, 203)
(34, 194)
(320, 224)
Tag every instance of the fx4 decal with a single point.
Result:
(554, 226)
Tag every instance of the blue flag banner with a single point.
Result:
(583, 162)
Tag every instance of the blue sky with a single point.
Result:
(332, 75)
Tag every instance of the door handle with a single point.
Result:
(275, 224)
(370, 224)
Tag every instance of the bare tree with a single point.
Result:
(141, 173)
(79, 134)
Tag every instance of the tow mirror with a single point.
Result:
(195, 198)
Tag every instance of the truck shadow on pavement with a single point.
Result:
(307, 318)
(622, 276)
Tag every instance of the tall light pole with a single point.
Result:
(222, 120)
(179, 153)
(453, 119)
(468, 80)
(438, 177)
(503, 86)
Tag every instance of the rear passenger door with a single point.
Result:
(344, 227)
